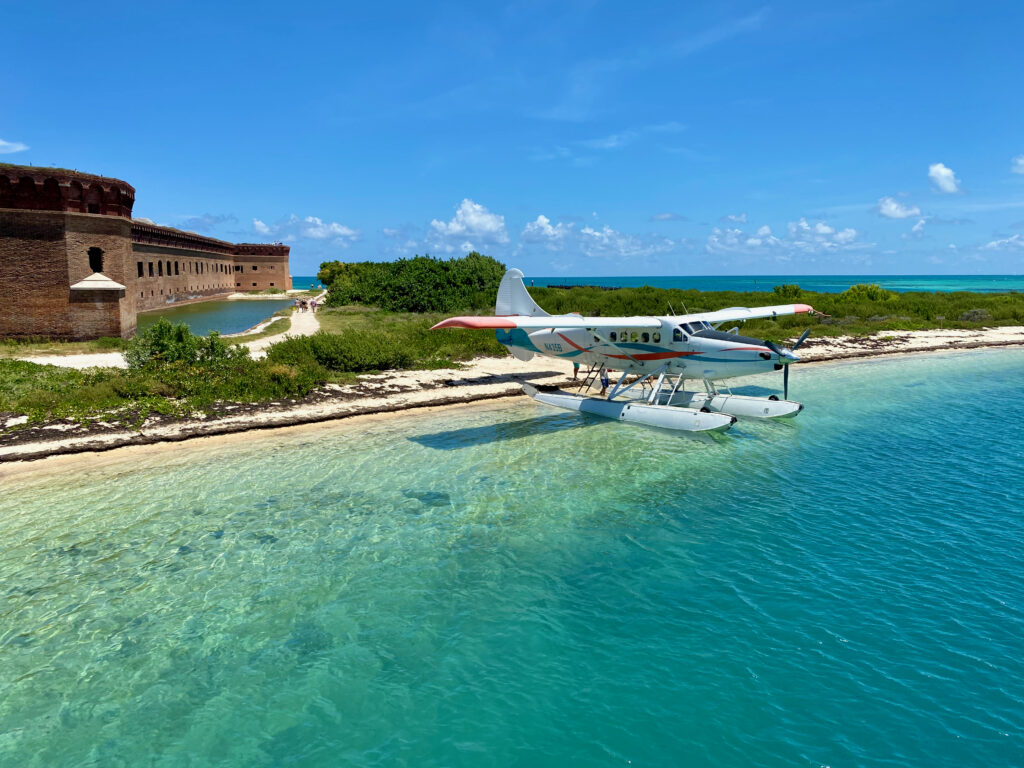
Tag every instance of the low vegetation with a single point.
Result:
(420, 284)
(170, 371)
(379, 317)
(860, 311)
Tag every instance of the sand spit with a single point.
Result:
(483, 379)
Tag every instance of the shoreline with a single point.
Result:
(398, 391)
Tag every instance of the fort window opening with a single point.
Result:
(168, 269)
(254, 267)
(151, 269)
(141, 271)
(160, 269)
(175, 269)
(254, 285)
(96, 259)
(271, 285)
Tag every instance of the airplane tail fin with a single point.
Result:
(514, 299)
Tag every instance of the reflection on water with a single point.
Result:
(839, 589)
(223, 316)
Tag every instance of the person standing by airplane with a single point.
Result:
(604, 379)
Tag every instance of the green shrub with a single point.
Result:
(420, 284)
(351, 351)
(788, 292)
(868, 292)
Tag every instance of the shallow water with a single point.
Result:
(510, 584)
(223, 316)
(820, 283)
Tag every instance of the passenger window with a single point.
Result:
(632, 337)
(645, 337)
(612, 335)
(657, 337)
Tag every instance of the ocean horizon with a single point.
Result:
(746, 283)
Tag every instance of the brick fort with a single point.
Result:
(75, 265)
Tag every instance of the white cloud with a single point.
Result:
(389, 232)
(1017, 164)
(1012, 243)
(943, 178)
(666, 216)
(613, 141)
(9, 147)
(800, 236)
(736, 218)
(311, 227)
(891, 208)
(472, 223)
(317, 229)
(541, 231)
(610, 243)
(918, 228)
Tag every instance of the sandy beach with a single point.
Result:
(396, 391)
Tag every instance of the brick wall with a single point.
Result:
(179, 276)
(41, 255)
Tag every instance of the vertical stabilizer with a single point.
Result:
(514, 299)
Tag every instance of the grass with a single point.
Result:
(410, 334)
(39, 346)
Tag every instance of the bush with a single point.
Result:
(351, 351)
(788, 292)
(868, 292)
(420, 284)
(164, 343)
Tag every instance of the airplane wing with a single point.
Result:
(745, 313)
(549, 321)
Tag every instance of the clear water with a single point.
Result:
(510, 584)
(304, 282)
(223, 316)
(818, 283)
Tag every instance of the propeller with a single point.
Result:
(785, 368)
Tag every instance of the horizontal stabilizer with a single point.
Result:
(550, 321)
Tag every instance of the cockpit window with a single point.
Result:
(677, 334)
(687, 327)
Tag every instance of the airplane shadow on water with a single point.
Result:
(454, 439)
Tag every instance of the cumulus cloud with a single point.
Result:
(310, 227)
(471, 226)
(540, 231)
(318, 229)
(666, 216)
(1017, 164)
(918, 228)
(736, 218)
(1012, 243)
(610, 243)
(9, 147)
(891, 208)
(801, 236)
(943, 178)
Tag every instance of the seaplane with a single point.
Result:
(659, 354)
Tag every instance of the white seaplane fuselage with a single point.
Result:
(646, 347)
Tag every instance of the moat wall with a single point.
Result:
(58, 228)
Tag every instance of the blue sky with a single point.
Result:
(576, 138)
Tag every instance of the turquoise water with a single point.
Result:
(223, 316)
(819, 283)
(509, 584)
(304, 282)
